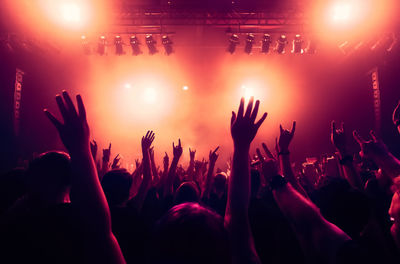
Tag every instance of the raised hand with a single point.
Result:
(115, 164)
(151, 152)
(285, 138)
(371, 148)
(74, 132)
(177, 150)
(243, 125)
(107, 153)
(148, 140)
(269, 164)
(213, 156)
(93, 148)
(338, 138)
(192, 154)
(166, 161)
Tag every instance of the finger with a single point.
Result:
(190, 150)
(109, 147)
(258, 124)
(260, 156)
(179, 143)
(255, 110)
(116, 157)
(241, 108)
(216, 149)
(173, 145)
(293, 128)
(276, 145)
(94, 141)
(61, 107)
(333, 127)
(233, 118)
(69, 103)
(266, 150)
(249, 107)
(373, 135)
(357, 137)
(53, 119)
(280, 129)
(81, 107)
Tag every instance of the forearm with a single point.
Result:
(208, 182)
(168, 190)
(389, 163)
(190, 170)
(349, 171)
(144, 186)
(395, 231)
(289, 175)
(88, 194)
(154, 169)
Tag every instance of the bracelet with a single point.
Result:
(283, 153)
(277, 182)
(345, 159)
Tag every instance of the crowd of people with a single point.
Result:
(72, 208)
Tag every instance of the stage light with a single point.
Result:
(127, 86)
(70, 12)
(151, 44)
(185, 88)
(167, 43)
(281, 44)
(247, 92)
(233, 42)
(101, 45)
(85, 45)
(119, 50)
(297, 44)
(341, 11)
(249, 43)
(266, 42)
(149, 95)
(135, 45)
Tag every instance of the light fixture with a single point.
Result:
(119, 50)
(167, 43)
(134, 41)
(85, 45)
(249, 43)
(151, 44)
(297, 44)
(266, 42)
(101, 45)
(233, 42)
(281, 44)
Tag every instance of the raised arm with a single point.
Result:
(156, 177)
(284, 140)
(88, 196)
(376, 150)
(169, 182)
(243, 130)
(319, 238)
(338, 139)
(213, 156)
(105, 164)
(190, 170)
(145, 185)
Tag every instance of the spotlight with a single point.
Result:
(119, 50)
(151, 44)
(297, 44)
(85, 45)
(280, 44)
(249, 43)
(101, 46)
(167, 43)
(266, 42)
(233, 42)
(135, 45)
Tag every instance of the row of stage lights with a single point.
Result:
(267, 44)
(134, 42)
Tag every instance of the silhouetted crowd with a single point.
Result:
(73, 208)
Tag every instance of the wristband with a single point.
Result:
(345, 159)
(277, 182)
